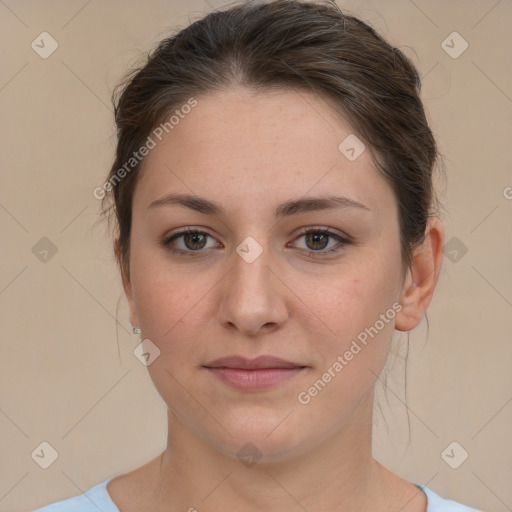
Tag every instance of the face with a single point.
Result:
(268, 273)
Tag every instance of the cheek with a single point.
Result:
(166, 300)
(169, 309)
(360, 318)
(356, 317)
(345, 305)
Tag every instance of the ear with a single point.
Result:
(421, 278)
(127, 285)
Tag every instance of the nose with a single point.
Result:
(253, 297)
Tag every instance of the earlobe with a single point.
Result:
(421, 278)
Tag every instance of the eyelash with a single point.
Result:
(166, 242)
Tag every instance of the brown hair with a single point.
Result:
(277, 45)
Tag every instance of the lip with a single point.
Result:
(258, 363)
(262, 372)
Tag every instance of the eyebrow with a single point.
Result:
(307, 204)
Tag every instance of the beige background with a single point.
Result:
(68, 375)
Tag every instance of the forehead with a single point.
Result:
(268, 144)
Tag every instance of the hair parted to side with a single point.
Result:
(286, 44)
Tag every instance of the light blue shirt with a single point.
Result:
(98, 499)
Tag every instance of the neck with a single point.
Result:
(338, 474)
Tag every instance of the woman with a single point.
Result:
(276, 222)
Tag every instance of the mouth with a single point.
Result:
(256, 374)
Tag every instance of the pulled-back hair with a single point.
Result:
(285, 44)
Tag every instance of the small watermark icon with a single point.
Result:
(44, 455)
(44, 45)
(44, 250)
(249, 455)
(249, 249)
(351, 147)
(146, 352)
(454, 455)
(455, 249)
(454, 45)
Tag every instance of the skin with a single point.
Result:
(250, 153)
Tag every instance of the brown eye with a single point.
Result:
(317, 242)
(192, 242)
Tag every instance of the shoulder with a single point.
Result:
(438, 504)
(94, 499)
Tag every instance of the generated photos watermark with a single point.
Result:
(149, 144)
(305, 397)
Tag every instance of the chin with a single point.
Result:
(263, 438)
(261, 450)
